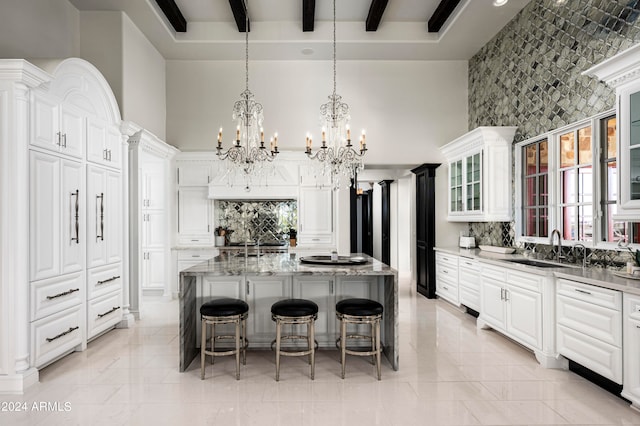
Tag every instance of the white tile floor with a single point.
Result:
(450, 373)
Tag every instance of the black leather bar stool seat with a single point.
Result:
(360, 307)
(359, 311)
(224, 311)
(295, 311)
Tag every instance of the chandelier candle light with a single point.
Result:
(248, 153)
(338, 154)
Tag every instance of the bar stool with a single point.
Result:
(359, 311)
(295, 311)
(224, 311)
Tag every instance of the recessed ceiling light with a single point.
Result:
(499, 3)
(307, 51)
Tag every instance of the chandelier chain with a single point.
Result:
(334, 48)
(246, 48)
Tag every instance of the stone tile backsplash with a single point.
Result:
(266, 220)
(530, 76)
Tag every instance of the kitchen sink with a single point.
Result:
(536, 263)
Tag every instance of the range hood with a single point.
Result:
(282, 184)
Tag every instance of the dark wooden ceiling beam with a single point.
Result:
(240, 14)
(308, 15)
(376, 10)
(441, 14)
(173, 14)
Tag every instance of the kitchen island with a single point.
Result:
(263, 280)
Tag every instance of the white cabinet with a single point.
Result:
(56, 335)
(57, 216)
(480, 175)
(103, 313)
(261, 293)
(469, 283)
(631, 357)
(57, 126)
(194, 216)
(589, 327)
(320, 290)
(315, 217)
(105, 215)
(447, 277)
(511, 302)
(194, 173)
(104, 143)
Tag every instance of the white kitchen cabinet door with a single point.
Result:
(469, 284)
(194, 216)
(73, 242)
(103, 143)
(56, 216)
(56, 126)
(315, 216)
(631, 349)
(262, 292)
(105, 215)
(320, 290)
(153, 187)
(524, 315)
(492, 303)
(153, 269)
(154, 232)
(193, 173)
(45, 230)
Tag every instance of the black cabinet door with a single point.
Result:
(425, 229)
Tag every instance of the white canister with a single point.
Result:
(220, 240)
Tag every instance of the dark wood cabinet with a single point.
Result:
(426, 229)
(386, 221)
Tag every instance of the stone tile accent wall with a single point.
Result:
(530, 76)
(268, 220)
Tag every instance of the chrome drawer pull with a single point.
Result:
(583, 291)
(445, 287)
(107, 280)
(195, 255)
(444, 271)
(64, 293)
(64, 333)
(109, 312)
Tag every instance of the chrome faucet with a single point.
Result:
(558, 253)
(584, 253)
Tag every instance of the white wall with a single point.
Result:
(408, 108)
(143, 81)
(40, 29)
(405, 204)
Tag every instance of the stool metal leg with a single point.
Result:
(343, 344)
(312, 347)
(278, 335)
(244, 341)
(378, 347)
(213, 341)
(203, 345)
(238, 350)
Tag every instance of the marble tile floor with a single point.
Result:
(450, 374)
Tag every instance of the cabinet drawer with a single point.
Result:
(470, 265)
(56, 334)
(596, 321)
(447, 289)
(469, 297)
(195, 255)
(446, 272)
(497, 273)
(589, 293)
(527, 281)
(632, 307)
(603, 358)
(447, 260)
(103, 313)
(311, 239)
(103, 280)
(56, 294)
(195, 240)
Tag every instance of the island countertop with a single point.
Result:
(228, 264)
(272, 276)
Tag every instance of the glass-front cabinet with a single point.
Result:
(480, 175)
(622, 72)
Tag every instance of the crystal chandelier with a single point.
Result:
(248, 154)
(336, 154)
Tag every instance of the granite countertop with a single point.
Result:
(595, 276)
(283, 264)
